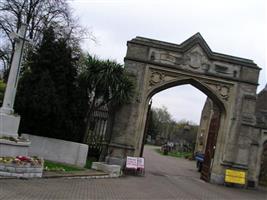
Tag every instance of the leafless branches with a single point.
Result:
(37, 14)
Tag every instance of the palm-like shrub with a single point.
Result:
(106, 84)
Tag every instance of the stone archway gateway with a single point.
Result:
(230, 82)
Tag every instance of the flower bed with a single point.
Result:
(14, 139)
(21, 166)
(22, 160)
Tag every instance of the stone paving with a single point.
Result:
(166, 178)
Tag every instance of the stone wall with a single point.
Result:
(259, 135)
(21, 171)
(58, 150)
(261, 108)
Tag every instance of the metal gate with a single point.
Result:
(211, 143)
(96, 138)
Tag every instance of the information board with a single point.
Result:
(131, 162)
(140, 163)
(235, 176)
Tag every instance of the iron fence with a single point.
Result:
(97, 137)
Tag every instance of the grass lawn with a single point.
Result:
(54, 166)
(176, 154)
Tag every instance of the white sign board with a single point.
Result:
(131, 162)
(140, 163)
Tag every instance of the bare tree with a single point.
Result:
(37, 14)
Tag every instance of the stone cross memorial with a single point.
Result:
(14, 150)
(9, 123)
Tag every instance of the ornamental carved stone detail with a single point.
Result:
(221, 89)
(156, 77)
(195, 60)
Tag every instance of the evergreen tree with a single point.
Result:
(46, 93)
(54, 101)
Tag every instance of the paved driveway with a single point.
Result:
(166, 178)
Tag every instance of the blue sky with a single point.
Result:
(234, 27)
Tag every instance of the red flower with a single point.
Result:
(24, 158)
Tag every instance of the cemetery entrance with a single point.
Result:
(230, 82)
(213, 118)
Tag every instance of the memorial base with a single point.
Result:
(28, 168)
(13, 148)
(9, 124)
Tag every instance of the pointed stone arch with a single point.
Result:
(218, 92)
(231, 82)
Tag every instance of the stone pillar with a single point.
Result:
(129, 120)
